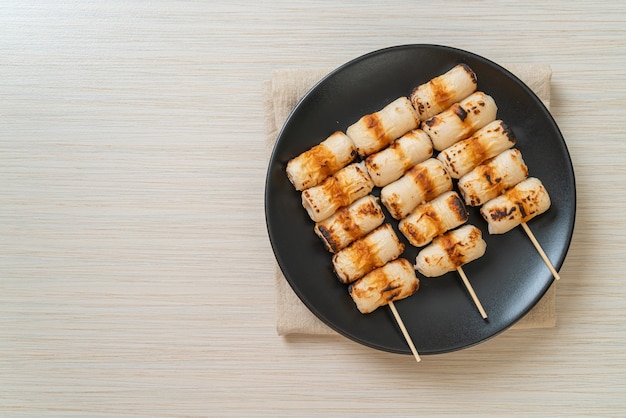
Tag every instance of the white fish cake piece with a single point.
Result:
(484, 144)
(490, 179)
(326, 158)
(367, 253)
(350, 223)
(341, 189)
(451, 250)
(433, 218)
(518, 204)
(375, 131)
(421, 183)
(392, 162)
(394, 281)
(460, 120)
(442, 91)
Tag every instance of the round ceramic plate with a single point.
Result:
(441, 317)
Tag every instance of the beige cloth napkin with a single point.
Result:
(281, 94)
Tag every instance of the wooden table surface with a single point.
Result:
(136, 276)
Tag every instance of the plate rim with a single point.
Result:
(434, 47)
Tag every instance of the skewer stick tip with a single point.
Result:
(470, 289)
(407, 337)
(540, 251)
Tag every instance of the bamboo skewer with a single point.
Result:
(470, 289)
(407, 337)
(540, 251)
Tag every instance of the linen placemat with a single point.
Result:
(280, 95)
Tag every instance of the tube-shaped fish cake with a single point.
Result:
(441, 92)
(365, 254)
(393, 281)
(421, 183)
(486, 143)
(375, 131)
(489, 180)
(391, 163)
(313, 166)
(342, 188)
(460, 120)
(518, 204)
(350, 223)
(433, 218)
(451, 250)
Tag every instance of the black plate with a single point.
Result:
(441, 317)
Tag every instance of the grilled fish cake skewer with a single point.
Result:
(375, 131)
(326, 158)
(433, 218)
(490, 179)
(367, 253)
(421, 183)
(442, 91)
(484, 144)
(391, 163)
(350, 223)
(342, 188)
(393, 281)
(460, 120)
(517, 205)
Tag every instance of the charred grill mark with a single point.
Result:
(375, 126)
(323, 158)
(369, 210)
(329, 240)
(516, 156)
(456, 205)
(459, 111)
(395, 145)
(306, 195)
(501, 213)
(508, 132)
(431, 213)
(369, 162)
(424, 181)
(456, 250)
(449, 245)
(418, 105)
(491, 175)
(401, 155)
(351, 185)
(395, 208)
(527, 201)
(410, 230)
(432, 121)
(389, 287)
(476, 108)
(470, 72)
(332, 189)
(393, 295)
(364, 255)
(431, 225)
(476, 150)
(347, 223)
(441, 91)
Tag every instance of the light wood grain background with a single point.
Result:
(135, 269)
